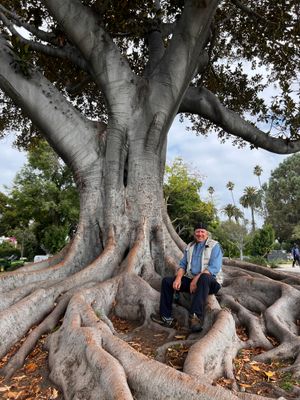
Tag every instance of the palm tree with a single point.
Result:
(237, 214)
(252, 199)
(232, 212)
(211, 191)
(258, 171)
(229, 211)
(230, 187)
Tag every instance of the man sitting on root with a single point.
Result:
(199, 274)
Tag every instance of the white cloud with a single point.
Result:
(11, 161)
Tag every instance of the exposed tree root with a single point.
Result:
(290, 279)
(46, 326)
(266, 307)
(68, 262)
(54, 260)
(254, 323)
(27, 312)
(89, 361)
(83, 338)
(212, 355)
(174, 236)
(161, 351)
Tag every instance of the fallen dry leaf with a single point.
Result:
(19, 378)
(12, 395)
(54, 394)
(269, 374)
(245, 385)
(31, 367)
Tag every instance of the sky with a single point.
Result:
(217, 163)
(11, 161)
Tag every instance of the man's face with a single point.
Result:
(200, 235)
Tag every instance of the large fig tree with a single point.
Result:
(102, 81)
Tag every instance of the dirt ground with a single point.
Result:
(32, 381)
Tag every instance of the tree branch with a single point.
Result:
(156, 50)
(40, 34)
(180, 61)
(61, 124)
(204, 103)
(66, 53)
(168, 28)
(155, 43)
(110, 69)
(249, 11)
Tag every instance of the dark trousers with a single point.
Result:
(296, 260)
(206, 285)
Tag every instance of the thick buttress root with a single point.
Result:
(87, 358)
(85, 337)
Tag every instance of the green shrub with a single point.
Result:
(263, 241)
(259, 260)
(7, 249)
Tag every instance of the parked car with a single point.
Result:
(41, 258)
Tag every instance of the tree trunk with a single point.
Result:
(252, 219)
(125, 243)
(114, 265)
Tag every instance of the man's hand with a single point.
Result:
(177, 283)
(193, 285)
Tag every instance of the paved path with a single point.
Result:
(288, 268)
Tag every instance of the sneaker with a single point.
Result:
(164, 321)
(195, 323)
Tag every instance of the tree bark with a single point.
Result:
(125, 243)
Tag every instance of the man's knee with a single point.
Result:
(204, 278)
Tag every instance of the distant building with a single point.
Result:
(12, 240)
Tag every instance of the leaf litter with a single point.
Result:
(32, 382)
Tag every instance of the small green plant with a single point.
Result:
(287, 382)
(286, 385)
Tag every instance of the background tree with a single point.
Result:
(283, 198)
(262, 241)
(211, 192)
(296, 233)
(233, 238)
(3, 206)
(230, 186)
(103, 82)
(233, 212)
(184, 205)
(43, 202)
(7, 249)
(251, 199)
(257, 172)
(228, 210)
(27, 242)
